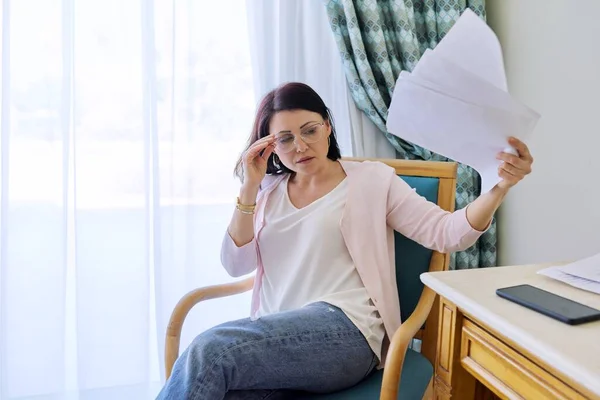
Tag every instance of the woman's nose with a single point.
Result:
(300, 145)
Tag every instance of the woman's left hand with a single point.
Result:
(514, 168)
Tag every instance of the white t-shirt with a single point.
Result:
(306, 260)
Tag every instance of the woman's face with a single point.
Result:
(301, 139)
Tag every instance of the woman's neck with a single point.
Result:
(324, 174)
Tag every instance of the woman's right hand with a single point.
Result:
(255, 161)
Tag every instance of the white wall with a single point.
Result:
(552, 57)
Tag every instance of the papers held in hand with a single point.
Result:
(455, 102)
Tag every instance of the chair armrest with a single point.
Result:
(184, 306)
(400, 342)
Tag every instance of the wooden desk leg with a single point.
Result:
(451, 380)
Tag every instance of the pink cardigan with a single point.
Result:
(378, 203)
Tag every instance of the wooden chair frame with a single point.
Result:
(425, 313)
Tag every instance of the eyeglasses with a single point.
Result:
(311, 134)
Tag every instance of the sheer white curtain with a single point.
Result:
(120, 125)
(292, 41)
(367, 140)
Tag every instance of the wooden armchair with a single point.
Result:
(435, 181)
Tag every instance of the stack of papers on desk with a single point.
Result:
(455, 102)
(584, 274)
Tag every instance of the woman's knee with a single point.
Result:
(210, 346)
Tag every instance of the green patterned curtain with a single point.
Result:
(377, 40)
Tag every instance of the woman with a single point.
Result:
(319, 233)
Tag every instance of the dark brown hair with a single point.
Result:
(287, 97)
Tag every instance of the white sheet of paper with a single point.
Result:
(454, 128)
(473, 45)
(459, 112)
(581, 283)
(584, 274)
(449, 77)
(587, 268)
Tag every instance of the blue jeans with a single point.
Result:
(312, 349)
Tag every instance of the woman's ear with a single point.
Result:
(328, 125)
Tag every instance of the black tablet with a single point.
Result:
(550, 304)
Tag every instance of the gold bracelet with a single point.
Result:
(245, 208)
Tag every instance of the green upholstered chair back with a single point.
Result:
(412, 259)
